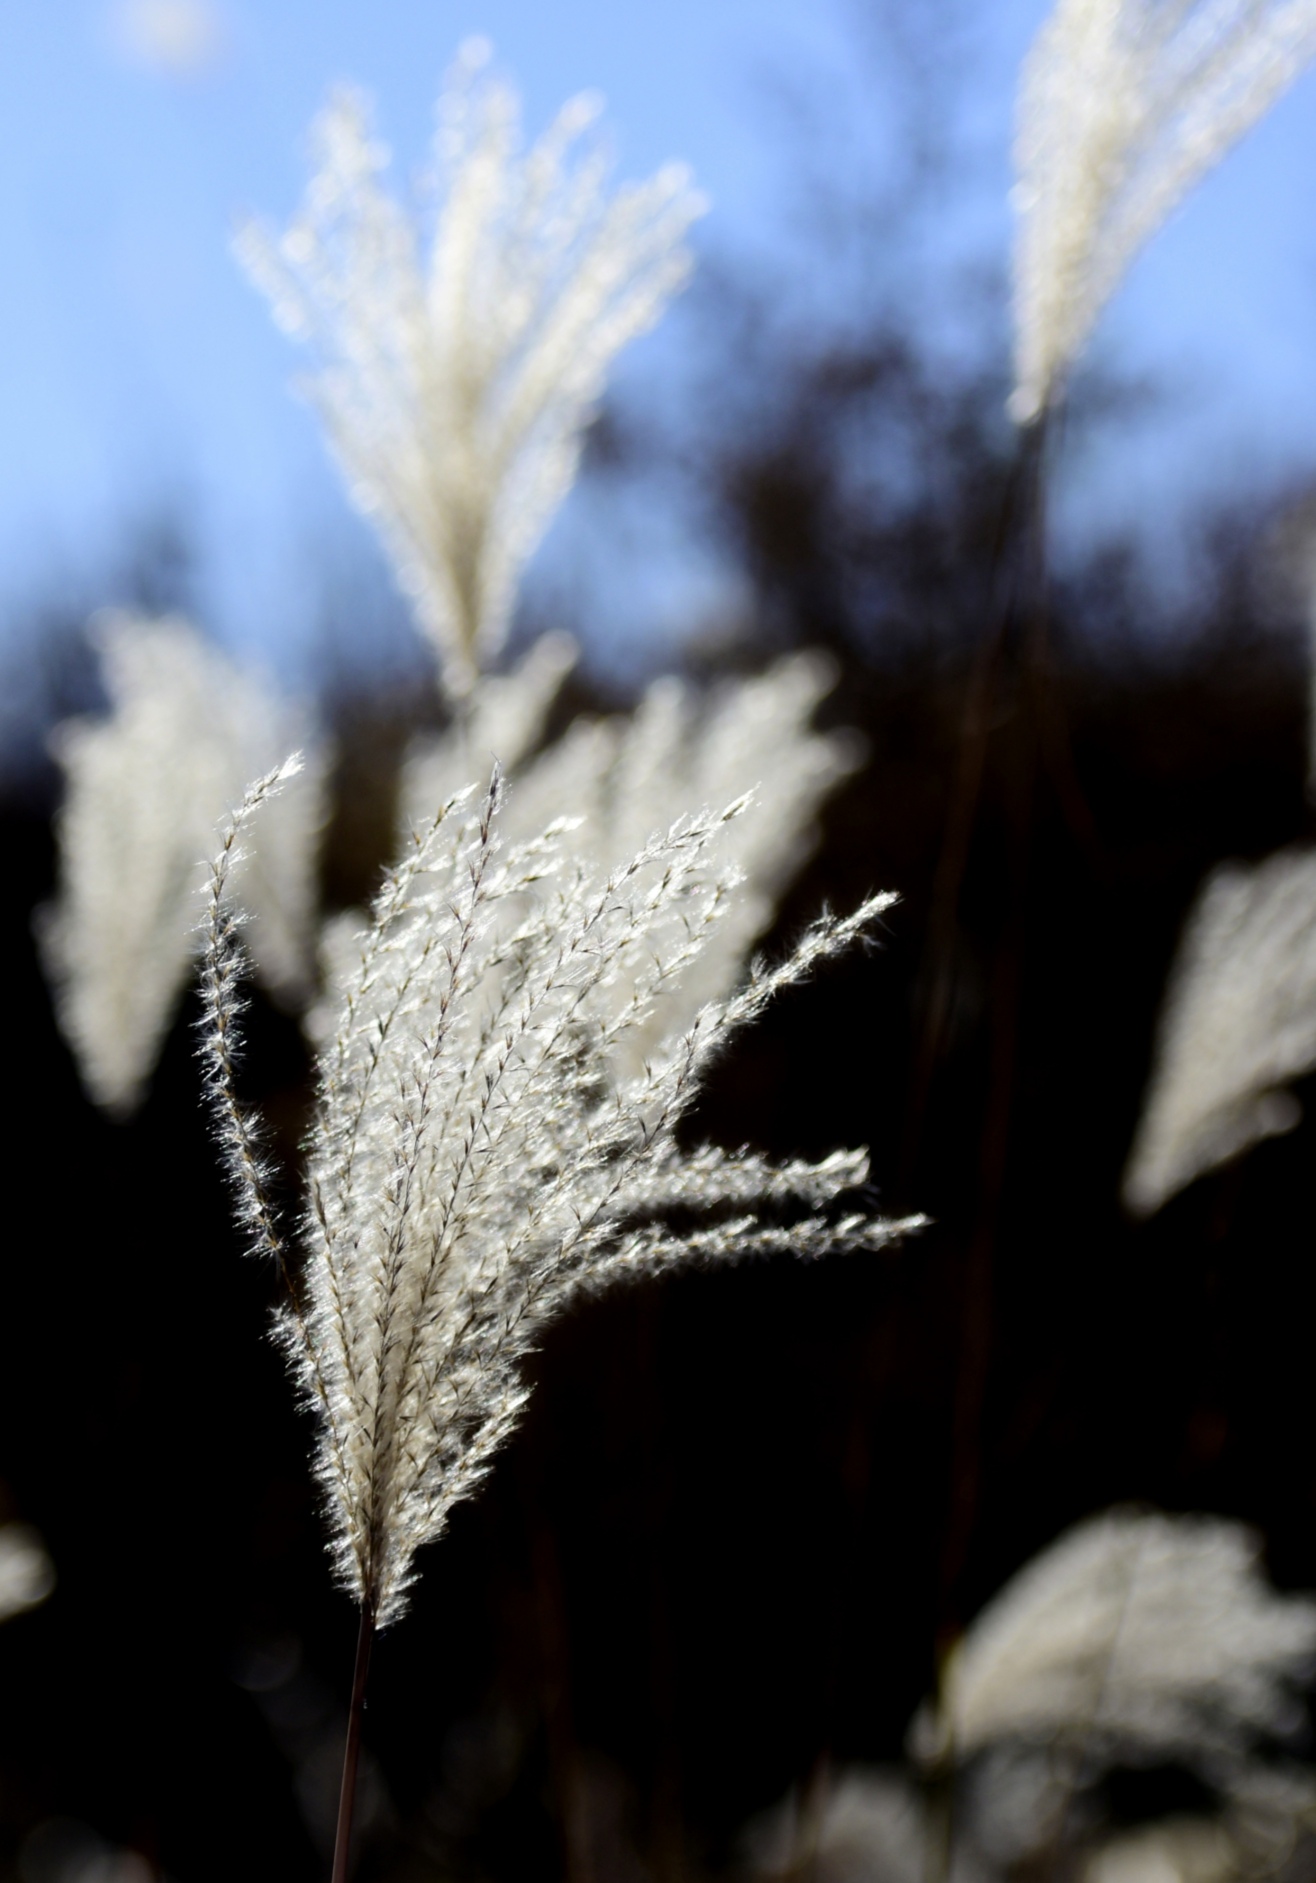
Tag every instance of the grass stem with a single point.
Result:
(352, 1751)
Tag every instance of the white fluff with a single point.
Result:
(477, 1160)
(27, 1575)
(456, 385)
(145, 789)
(503, 722)
(866, 1826)
(1139, 1636)
(1238, 1023)
(1123, 106)
(621, 780)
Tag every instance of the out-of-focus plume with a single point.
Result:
(477, 1161)
(27, 1575)
(1238, 1023)
(1024, 1803)
(1123, 106)
(621, 780)
(504, 721)
(179, 38)
(1136, 1637)
(456, 385)
(1136, 1642)
(862, 1827)
(1180, 1850)
(145, 789)
(62, 1850)
(1235, 1847)
(1019, 1817)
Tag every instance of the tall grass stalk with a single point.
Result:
(486, 1150)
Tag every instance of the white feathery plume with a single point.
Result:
(1178, 1850)
(1019, 1803)
(1014, 1814)
(504, 719)
(865, 1827)
(1268, 1806)
(1137, 1636)
(145, 788)
(1123, 106)
(1237, 1025)
(1229, 1849)
(27, 1575)
(476, 1162)
(1266, 1811)
(621, 780)
(456, 385)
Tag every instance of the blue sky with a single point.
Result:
(136, 364)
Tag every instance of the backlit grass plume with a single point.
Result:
(504, 716)
(1136, 1642)
(27, 1574)
(145, 788)
(479, 1156)
(621, 778)
(456, 379)
(1237, 1028)
(1123, 107)
(1135, 1638)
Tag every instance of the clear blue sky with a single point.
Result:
(136, 362)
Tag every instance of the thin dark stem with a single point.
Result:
(352, 1752)
(1017, 583)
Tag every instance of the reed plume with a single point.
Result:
(27, 1575)
(1123, 106)
(505, 716)
(1237, 1026)
(618, 780)
(455, 386)
(863, 1826)
(482, 1152)
(1135, 1637)
(1136, 1640)
(145, 788)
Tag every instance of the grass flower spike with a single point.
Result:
(27, 1574)
(1238, 1026)
(1135, 1635)
(625, 777)
(505, 716)
(1137, 1642)
(1123, 107)
(456, 384)
(617, 780)
(476, 1160)
(146, 788)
